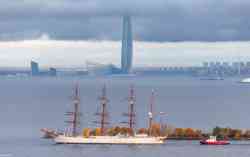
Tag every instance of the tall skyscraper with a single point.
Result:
(34, 68)
(127, 45)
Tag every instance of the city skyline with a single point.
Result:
(49, 52)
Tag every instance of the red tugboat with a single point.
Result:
(213, 141)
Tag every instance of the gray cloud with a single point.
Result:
(158, 20)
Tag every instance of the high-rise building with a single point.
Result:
(34, 68)
(127, 46)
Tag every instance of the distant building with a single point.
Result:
(225, 64)
(101, 70)
(248, 64)
(52, 72)
(127, 46)
(205, 65)
(212, 65)
(235, 65)
(242, 64)
(218, 65)
(34, 68)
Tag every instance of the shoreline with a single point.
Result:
(198, 139)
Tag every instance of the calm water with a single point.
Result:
(28, 105)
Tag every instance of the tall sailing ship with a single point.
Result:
(103, 135)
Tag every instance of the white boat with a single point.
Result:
(245, 80)
(137, 139)
(50, 133)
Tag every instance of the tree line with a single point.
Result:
(219, 132)
(172, 132)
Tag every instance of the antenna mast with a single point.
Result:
(103, 114)
(150, 113)
(75, 115)
(131, 111)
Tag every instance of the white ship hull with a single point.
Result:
(61, 139)
(246, 81)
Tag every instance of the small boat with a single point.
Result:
(245, 81)
(213, 141)
(50, 133)
(217, 78)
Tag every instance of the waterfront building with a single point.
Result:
(225, 64)
(242, 64)
(100, 69)
(34, 68)
(52, 72)
(218, 65)
(212, 65)
(248, 64)
(235, 65)
(205, 65)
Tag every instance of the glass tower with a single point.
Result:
(127, 45)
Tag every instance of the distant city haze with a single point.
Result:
(59, 53)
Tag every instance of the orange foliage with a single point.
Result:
(189, 132)
(179, 132)
(155, 129)
(142, 131)
(98, 132)
(86, 132)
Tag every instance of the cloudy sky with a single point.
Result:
(153, 20)
(197, 24)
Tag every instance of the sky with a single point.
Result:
(153, 20)
(97, 22)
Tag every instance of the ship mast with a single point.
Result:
(150, 113)
(75, 114)
(103, 114)
(131, 111)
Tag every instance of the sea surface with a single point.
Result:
(26, 105)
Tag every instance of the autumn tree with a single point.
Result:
(179, 132)
(189, 132)
(142, 131)
(98, 132)
(86, 132)
(246, 134)
(155, 129)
